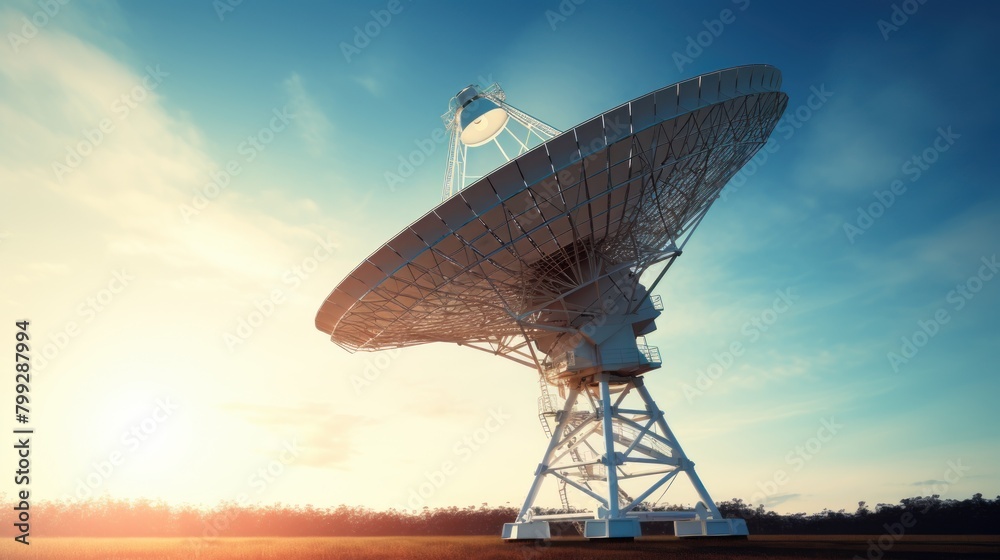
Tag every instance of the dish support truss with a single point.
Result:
(595, 447)
(519, 139)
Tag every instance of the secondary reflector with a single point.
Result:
(481, 119)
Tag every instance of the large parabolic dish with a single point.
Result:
(540, 262)
(629, 182)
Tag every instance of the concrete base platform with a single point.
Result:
(612, 529)
(532, 531)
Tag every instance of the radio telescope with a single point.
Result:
(540, 261)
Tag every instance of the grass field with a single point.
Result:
(485, 548)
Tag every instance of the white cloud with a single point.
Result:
(122, 188)
(309, 119)
(117, 206)
(370, 84)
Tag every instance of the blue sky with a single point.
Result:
(814, 221)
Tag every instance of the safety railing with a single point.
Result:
(650, 353)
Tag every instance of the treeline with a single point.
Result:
(142, 518)
(918, 516)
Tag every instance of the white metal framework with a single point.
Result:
(596, 447)
(540, 262)
(532, 131)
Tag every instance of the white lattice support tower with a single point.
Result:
(635, 444)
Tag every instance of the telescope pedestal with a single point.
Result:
(596, 446)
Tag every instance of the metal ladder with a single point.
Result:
(545, 408)
(622, 435)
